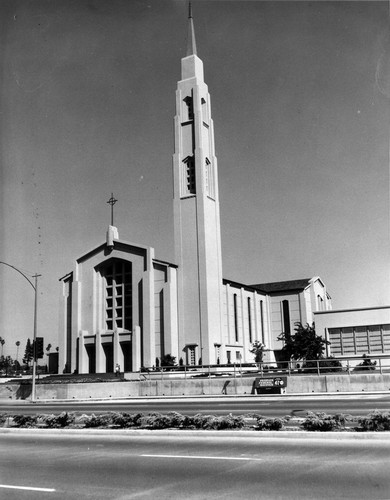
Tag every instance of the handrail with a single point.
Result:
(349, 365)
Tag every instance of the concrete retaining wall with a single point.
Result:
(296, 384)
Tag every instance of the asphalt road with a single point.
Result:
(64, 466)
(360, 404)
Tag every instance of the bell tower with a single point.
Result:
(196, 213)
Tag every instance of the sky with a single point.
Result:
(300, 101)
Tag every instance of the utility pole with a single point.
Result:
(33, 390)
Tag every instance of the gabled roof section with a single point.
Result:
(283, 286)
(235, 284)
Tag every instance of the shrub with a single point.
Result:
(58, 421)
(93, 420)
(269, 424)
(178, 420)
(155, 421)
(126, 420)
(376, 421)
(321, 422)
(3, 418)
(366, 364)
(25, 420)
(218, 423)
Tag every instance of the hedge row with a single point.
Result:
(321, 422)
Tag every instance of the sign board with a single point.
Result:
(275, 382)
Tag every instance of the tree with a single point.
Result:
(2, 342)
(303, 344)
(28, 353)
(6, 362)
(168, 360)
(258, 351)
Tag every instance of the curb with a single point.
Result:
(298, 435)
(318, 395)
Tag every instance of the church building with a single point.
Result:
(121, 304)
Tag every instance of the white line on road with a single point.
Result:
(28, 488)
(204, 457)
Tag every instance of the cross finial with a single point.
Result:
(112, 202)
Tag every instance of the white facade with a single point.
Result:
(121, 305)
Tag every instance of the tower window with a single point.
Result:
(209, 176)
(189, 179)
(117, 277)
(190, 107)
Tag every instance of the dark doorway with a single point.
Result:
(127, 356)
(109, 353)
(91, 353)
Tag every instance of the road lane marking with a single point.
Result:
(28, 488)
(204, 457)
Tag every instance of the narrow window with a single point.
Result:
(286, 316)
(190, 175)
(190, 107)
(262, 321)
(191, 355)
(229, 357)
(249, 320)
(235, 316)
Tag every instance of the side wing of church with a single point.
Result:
(121, 305)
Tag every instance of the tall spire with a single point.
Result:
(191, 43)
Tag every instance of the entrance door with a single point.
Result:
(109, 353)
(91, 353)
(127, 356)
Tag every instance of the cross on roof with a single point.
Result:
(112, 202)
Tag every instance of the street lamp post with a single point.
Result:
(33, 390)
(35, 287)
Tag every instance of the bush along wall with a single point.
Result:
(314, 422)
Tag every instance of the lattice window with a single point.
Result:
(189, 175)
(118, 294)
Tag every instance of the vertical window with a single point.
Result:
(209, 176)
(238, 356)
(118, 294)
(191, 355)
(190, 108)
(229, 357)
(218, 353)
(190, 186)
(249, 320)
(286, 316)
(262, 321)
(235, 317)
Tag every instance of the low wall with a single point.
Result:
(190, 387)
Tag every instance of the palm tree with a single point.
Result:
(2, 342)
(17, 349)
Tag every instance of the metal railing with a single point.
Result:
(327, 366)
